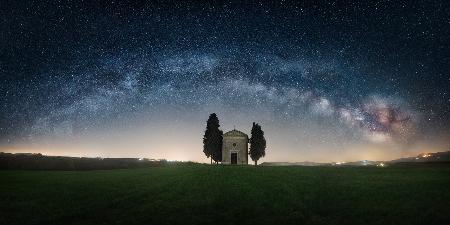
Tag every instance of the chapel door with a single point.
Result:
(233, 158)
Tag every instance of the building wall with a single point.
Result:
(241, 148)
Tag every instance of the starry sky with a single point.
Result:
(334, 81)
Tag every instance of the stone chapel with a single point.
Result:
(235, 148)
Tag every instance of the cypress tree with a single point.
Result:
(212, 140)
(257, 143)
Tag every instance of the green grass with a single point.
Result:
(228, 195)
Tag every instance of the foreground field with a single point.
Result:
(228, 195)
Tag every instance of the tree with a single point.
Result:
(257, 143)
(212, 140)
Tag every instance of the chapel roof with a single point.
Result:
(235, 133)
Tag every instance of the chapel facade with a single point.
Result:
(235, 148)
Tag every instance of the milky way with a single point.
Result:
(326, 82)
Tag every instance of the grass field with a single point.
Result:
(228, 195)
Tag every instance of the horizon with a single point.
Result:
(207, 162)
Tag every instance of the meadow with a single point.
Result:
(204, 194)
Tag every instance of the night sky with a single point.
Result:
(327, 82)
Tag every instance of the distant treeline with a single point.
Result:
(28, 161)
